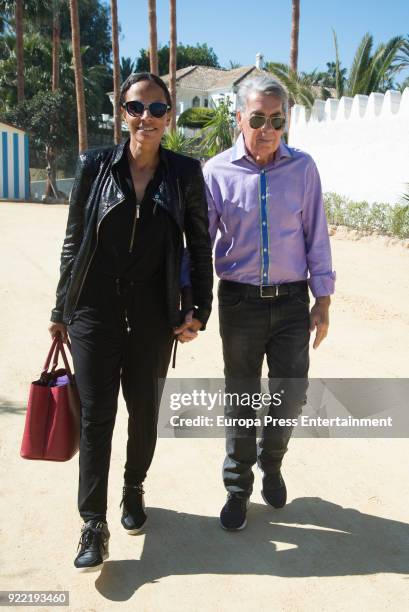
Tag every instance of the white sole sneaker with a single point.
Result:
(136, 531)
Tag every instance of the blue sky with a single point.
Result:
(238, 29)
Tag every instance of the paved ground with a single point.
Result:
(341, 543)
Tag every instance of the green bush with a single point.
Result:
(392, 220)
(195, 117)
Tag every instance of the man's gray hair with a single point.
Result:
(263, 84)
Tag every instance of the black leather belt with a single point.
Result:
(264, 291)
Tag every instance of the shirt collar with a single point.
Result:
(239, 150)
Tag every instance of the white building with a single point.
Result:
(204, 86)
(14, 163)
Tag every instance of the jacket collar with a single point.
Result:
(167, 195)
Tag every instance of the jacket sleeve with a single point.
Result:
(199, 245)
(74, 232)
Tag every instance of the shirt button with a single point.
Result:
(265, 250)
(263, 197)
(264, 223)
(265, 275)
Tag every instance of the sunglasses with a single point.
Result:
(258, 121)
(136, 108)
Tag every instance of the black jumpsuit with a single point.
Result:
(120, 334)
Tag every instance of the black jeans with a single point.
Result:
(251, 328)
(105, 354)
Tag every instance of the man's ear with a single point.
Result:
(239, 118)
(168, 118)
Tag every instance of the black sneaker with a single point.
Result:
(274, 490)
(133, 510)
(233, 514)
(93, 546)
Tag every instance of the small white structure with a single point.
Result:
(14, 163)
(360, 144)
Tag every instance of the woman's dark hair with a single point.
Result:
(135, 77)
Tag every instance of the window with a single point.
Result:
(195, 102)
(206, 103)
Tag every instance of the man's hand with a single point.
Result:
(189, 328)
(319, 319)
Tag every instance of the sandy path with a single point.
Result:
(343, 538)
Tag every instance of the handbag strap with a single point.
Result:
(50, 354)
(64, 356)
(57, 347)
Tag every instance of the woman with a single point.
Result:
(119, 296)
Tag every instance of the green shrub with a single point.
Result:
(195, 117)
(392, 220)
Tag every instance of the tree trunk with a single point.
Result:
(295, 27)
(55, 83)
(79, 81)
(172, 61)
(19, 17)
(153, 37)
(116, 72)
(51, 189)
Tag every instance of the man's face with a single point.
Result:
(264, 141)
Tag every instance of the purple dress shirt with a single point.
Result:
(271, 219)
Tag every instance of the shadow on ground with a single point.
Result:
(292, 542)
(11, 406)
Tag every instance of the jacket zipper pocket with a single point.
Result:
(134, 227)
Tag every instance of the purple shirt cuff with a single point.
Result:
(323, 284)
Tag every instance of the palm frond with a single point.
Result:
(339, 78)
(358, 74)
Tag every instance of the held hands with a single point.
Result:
(58, 328)
(189, 328)
(319, 319)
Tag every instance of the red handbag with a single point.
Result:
(52, 426)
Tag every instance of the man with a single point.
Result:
(266, 200)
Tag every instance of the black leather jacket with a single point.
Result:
(95, 193)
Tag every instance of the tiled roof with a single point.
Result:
(205, 78)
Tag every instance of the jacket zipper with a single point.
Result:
(179, 193)
(91, 258)
(136, 216)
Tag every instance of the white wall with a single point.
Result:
(360, 144)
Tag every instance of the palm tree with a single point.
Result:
(172, 62)
(175, 140)
(117, 73)
(299, 85)
(79, 81)
(127, 67)
(19, 20)
(218, 131)
(55, 81)
(295, 28)
(370, 70)
(51, 188)
(153, 37)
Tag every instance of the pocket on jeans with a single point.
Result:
(302, 298)
(230, 300)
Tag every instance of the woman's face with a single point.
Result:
(146, 129)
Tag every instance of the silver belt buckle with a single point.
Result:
(269, 296)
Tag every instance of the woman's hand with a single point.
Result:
(58, 328)
(189, 328)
